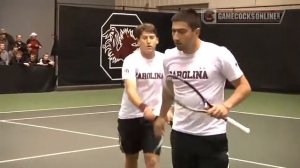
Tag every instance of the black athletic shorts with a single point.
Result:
(190, 151)
(137, 134)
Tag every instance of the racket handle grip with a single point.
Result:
(238, 125)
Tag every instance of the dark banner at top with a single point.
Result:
(94, 42)
(242, 16)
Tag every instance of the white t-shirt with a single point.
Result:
(148, 74)
(207, 69)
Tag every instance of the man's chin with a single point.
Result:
(179, 48)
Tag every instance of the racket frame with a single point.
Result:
(206, 104)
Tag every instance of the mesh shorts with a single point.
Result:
(189, 151)
(137, 134)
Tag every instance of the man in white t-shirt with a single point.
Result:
(199, 140)
(142, 73)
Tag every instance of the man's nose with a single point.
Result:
(148, 40)
(175, 36)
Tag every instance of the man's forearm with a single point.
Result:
(167, 101)
(132, 93)
(136, 100)
(242, 90)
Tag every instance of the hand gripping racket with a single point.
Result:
(206, 104)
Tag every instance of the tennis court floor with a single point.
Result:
(87, 137)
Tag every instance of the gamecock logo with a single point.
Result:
(117, 42)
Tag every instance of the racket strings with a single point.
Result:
(206, 103)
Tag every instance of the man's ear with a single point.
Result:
(197, 31)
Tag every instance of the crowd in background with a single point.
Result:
(13, 51)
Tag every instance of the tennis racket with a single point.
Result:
(159, 145)
(206, 104)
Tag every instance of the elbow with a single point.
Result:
(248, 90)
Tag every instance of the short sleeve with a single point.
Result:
(128, 69)
(165, 64)
(230, 67)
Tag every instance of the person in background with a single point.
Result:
(33, 44)
(32, 61)
(17, 58)
(12, 53)
(21, 45)
(46, 61)
(4, 57)
(7, 39)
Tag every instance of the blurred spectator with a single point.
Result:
(21, 45)
(32, 60)
(13, 52)
(33, 44)
(46, 61)
(17, 58)
(4, 58)
(7, 39)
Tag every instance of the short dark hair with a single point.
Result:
(147, 27)
(189, 16)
